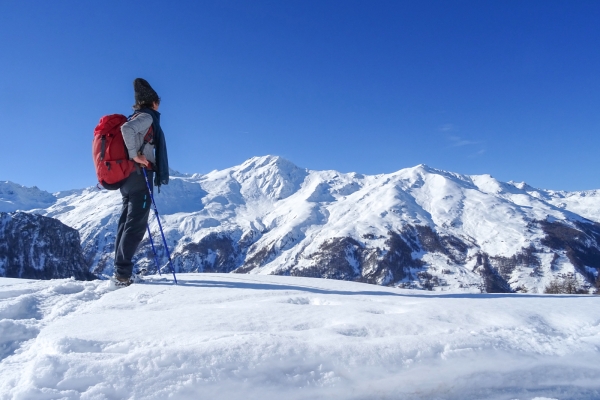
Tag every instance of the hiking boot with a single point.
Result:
(120, 281)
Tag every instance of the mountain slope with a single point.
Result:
(418, 227)
(36, 247)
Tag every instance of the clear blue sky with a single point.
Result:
(509, 88)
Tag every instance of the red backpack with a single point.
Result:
(109, 152)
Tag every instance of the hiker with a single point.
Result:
(146, 146)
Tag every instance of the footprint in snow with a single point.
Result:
(311, 301)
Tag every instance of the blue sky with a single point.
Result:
(508, 88)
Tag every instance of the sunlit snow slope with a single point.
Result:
(262, 337)
(418, 227)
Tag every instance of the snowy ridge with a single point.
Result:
(262, 337)
(584, 203)
(418, 227)
(14, 197)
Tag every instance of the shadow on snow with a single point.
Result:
(239, 284)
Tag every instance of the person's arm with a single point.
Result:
(133, 134)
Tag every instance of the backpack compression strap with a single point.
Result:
(103, 147)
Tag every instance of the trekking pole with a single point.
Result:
(159, 224)
(153, 250)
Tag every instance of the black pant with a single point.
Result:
(133, 221)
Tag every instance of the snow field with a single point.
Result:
(271, 337)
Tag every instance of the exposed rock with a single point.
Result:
(580, 242)
(493, 282)
(214, 253)
(36, 247)
(337, 258)
(257, 260)
(348, 259)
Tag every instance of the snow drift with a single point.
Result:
(270, 337)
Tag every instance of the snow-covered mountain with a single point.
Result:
(14, 197)
(418, 227)
(37, 247)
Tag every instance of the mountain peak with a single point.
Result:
(424, 168)
(273, 176)
(268, 160)
(178, 174)
(521, 185)
(15, 197)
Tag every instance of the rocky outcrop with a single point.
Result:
(580, 243)
(216, 252)
(37, 247)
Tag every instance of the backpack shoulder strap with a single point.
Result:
(149, 134)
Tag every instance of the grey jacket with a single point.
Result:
(134, 131)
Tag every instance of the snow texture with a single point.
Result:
(232, 336)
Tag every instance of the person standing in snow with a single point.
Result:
(146, 145)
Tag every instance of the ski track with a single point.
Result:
(272, 337)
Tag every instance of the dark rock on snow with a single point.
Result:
(37, 247)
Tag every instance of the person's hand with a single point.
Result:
(142, 160)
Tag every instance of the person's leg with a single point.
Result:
(132, 232)
(121, 227)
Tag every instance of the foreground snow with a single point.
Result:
(271, 337)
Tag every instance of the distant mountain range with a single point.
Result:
(417, 228)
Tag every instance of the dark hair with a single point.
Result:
(146, 104)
